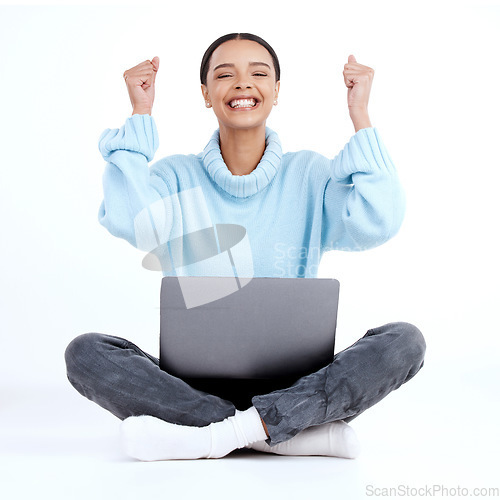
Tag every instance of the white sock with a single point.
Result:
(335, 439)
(149, 438)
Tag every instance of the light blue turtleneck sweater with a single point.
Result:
(192, 217)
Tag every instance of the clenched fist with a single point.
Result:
(358, 79)
(140, 81)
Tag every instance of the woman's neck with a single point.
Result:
(242, 149)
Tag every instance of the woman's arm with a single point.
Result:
(135, 200)
(360, 119)
(363, 202)
(358, 80)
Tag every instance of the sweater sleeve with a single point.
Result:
(135, 205)
(363, 203)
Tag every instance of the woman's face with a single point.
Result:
(241, 68)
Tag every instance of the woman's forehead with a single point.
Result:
(240, 50)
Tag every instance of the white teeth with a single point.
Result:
(242, 103)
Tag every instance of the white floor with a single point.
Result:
(437, 431)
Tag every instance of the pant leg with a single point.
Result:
(123, 379)
(359, 376)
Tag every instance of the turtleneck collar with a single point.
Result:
(243, 186)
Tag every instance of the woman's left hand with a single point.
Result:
(358, 79)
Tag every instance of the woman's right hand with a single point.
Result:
(140, 81)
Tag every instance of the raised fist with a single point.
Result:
(140, 81)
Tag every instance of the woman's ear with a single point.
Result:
(204, 91)
(276, 89)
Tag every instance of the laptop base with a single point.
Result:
(239, 391)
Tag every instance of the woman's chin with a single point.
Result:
(242, 122)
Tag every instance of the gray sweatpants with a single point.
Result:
(123, 379)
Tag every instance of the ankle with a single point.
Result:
(265, 426)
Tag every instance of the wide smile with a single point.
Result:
(245, 104)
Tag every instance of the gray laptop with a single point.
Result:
(257, 328)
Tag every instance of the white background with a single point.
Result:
(435, 103)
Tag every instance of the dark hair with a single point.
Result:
(205, 62)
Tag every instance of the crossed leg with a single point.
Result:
(128, 382)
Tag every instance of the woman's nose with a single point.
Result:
(239, 85)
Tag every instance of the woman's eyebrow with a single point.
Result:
(231, 65)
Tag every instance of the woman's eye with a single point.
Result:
(255, 74)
